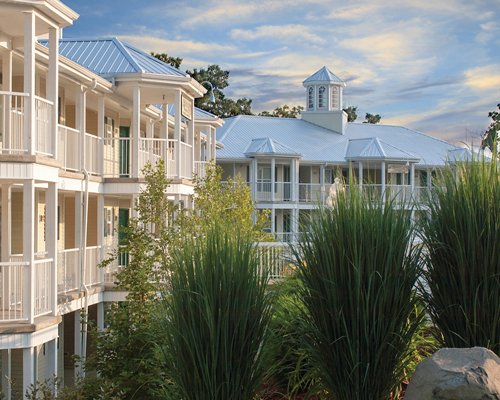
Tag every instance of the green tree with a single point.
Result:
(372, 118)
(173, 61)
(490, 137)
(284, 111)
(351, 112)
(223, 106)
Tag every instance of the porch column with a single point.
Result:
(293, 180)
(28, 367)
(191, 141)
(253, 178)
(51, 347)
(360, 175)
(273, 180)
(208, 146)
(77, 321)
(412, 177)
(53, 84)
(100, 131)
(100, 233)
(273, 222)
(213, 143)
(136, 130)
(29, 83)
(166, 155)
(6, 222)
(382, 173)
(51, 238)
(7, 373)
(80, 107)
(177, 132)
(28, 248)
(7, 87)
(322, 188)
(295, 224)
(100, 316)
(429, 179)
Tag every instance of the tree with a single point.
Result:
(173, 61)
(284, 111)
(219, 79)
(351, 113)
(372, 118)
(490, 137)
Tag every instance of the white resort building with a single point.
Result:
(78, 121)
(291, 164)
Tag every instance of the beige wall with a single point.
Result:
(69, 222)
(17, 222)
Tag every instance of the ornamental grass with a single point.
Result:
(359, 271)
(462, 238)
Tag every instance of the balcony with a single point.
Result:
(12, 113)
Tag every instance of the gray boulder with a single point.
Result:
(457, 374)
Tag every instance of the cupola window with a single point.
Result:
(321, 97)
(335, 98)
(310, 98)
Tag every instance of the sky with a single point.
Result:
(429, 65)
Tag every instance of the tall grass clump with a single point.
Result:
(217, 316)
(359, 271)
(462, 237)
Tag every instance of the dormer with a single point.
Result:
(324, 100)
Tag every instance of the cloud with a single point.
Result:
(285, 33)
(484, 78)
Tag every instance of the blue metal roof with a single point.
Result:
(324, 75)
(111, 56)
(317, 144)
(268, 146)
(375, 149)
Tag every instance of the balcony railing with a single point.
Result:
(93, 154)
(274, 258)
(186, 161)
(200, 169)
(68, 147)
(44, 132)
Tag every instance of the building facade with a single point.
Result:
(79, 119)
(292, 165)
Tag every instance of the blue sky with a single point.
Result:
(430, 65)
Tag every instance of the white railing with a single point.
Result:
(200, 169)
(282, 191)
(275, 258)
(93, 275)
(68, 148)
(116, 157)
(264, 188)
(170, 161)
(44, 131)
(68, 271)
(153, 150)
(43, 286)
(186, 161)
(12, 275)
(93, 154)
(12, 122)
(311, 193)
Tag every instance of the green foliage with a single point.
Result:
(223, 107)
(216, 319)
(173, 61)
(372, 118)
(216, 202)
(284, 111)
(490, 137)
(462, 237)
(359, 269)
(351, 112)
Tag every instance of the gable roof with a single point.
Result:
(319, 145)
(324, 75)
(268, 146)
(376, 149)
(110, 56)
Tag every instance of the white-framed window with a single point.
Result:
(310, 98)
(335, 101)
(321, 97)
(264, 178)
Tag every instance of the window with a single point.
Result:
(310, 98)
(264, 179)
(335, 98)
(321, 97)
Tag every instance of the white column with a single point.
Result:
(136, 130)
(295, 223)
(6, 373)
(177, 131)
(53, 83)
(28, 367)
(29, 83)
(190, 135)
(28, 248)
(100, 131)
(164, 135)
(273, 179)
(80, 107)
(429, 179)
(51, 347)
(293, 180)
(78, 342)
(412, 176)
(7, 87)
(322, 183)
(253, 178)
(6, 222)
(213, 143)
(100, 233)
(209, 144)
(273, 222)
(78, 221)
(51, 238)
(382, 173)
(360, 175)
(100, 316)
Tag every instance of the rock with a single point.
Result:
(457, 374)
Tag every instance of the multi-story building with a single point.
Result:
(291, 164)
(78, 121)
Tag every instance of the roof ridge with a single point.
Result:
(229, 127)
(118, 43)
(379, 145)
